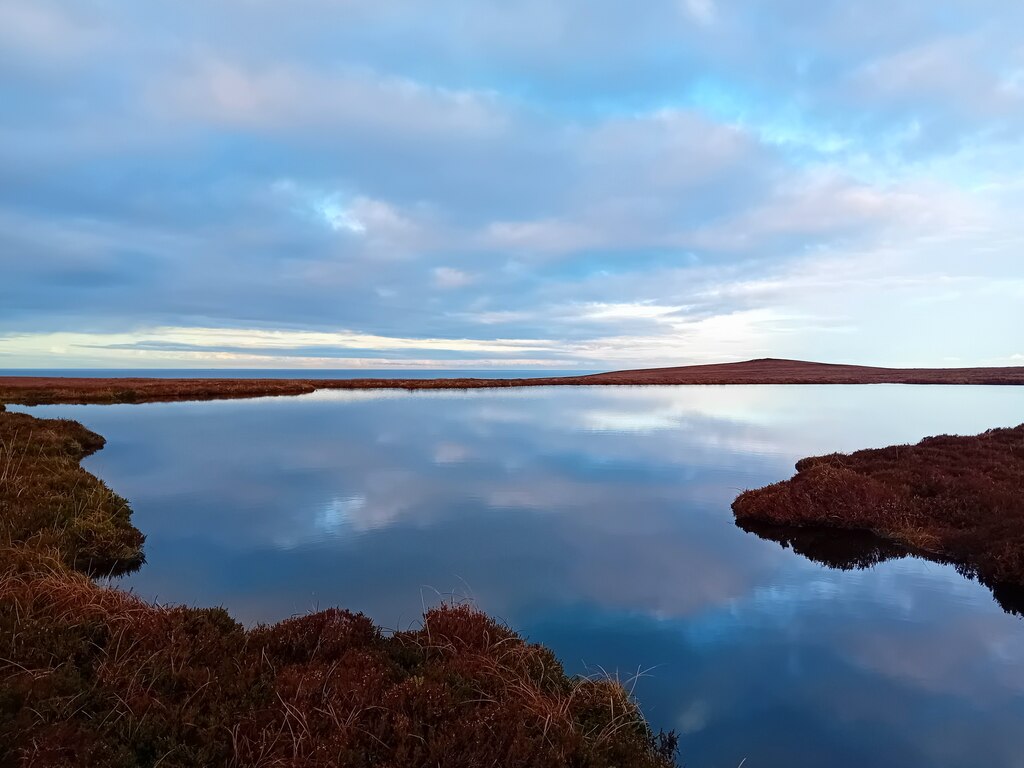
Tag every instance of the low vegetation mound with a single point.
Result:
(49, 504)
(94, 676)
(31, 390)
(958, 498)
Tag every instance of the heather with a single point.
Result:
(959, 499)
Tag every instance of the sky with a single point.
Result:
(589, 184)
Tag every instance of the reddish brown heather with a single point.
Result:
(93, 676)
(35, 390)
(49, 503)
(959, 498)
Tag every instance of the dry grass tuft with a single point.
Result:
(49, 504)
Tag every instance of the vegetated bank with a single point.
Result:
(37, 390)
(94, 676)
(958, 499)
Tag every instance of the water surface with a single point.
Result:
(597, 521)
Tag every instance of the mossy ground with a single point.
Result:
(94, 676)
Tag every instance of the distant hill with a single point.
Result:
(771, 370)
(56, 389)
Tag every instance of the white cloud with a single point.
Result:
(643, 310)
(341, 218)
(703, 11)
(284, 98)
(960, 74)
(542, 236)
(229, 341)
(45, 33)
(449, 277)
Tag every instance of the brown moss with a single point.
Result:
(958, 498)
(94, 676)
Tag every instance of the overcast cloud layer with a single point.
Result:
(594, 184)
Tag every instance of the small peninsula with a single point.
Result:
(958, 498)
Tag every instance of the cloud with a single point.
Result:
(545, 236)
(681, 182)
(448, 277)
(702, 11)
(645, 310)
(44, 34)
(292, 99)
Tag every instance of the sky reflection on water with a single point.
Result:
(595, 520)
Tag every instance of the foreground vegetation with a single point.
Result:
(93, 676)
(958, 499)
(26, 390)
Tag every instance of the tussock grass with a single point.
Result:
(49, 504)
(960, 499)
(94, 676)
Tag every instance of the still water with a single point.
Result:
(596, 521)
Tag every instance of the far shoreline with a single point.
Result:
(39, 390)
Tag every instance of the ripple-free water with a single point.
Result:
(595, 520)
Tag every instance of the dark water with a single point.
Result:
(597, 521)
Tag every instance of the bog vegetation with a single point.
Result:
(94, 676)
(55, 389)
(960, 499)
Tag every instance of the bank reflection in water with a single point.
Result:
(859, 550)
